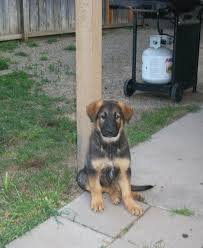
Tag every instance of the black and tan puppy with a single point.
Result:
(107, 165)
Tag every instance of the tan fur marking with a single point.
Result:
(125, 186)
(99, 164)
(93, 108)
(127, 110)
(114, 193)
(122, 163)
(97, 203)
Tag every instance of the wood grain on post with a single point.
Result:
(88, 66)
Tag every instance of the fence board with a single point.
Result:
(71, 14)
(57, 15)
(34, 15)
(50, 15)
(12, 10)
(44, 17)
(5, 16)
(20, 14)
(25, 18)
(1, 18)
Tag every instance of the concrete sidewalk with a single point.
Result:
(173, 161)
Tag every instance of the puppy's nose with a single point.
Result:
(109, 130)
(112, 134)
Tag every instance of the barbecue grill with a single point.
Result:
(186, 16)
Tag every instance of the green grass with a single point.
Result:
(8, 45)
(4, 64)
(21, 54)
(182, 211)
(32, 43)
(44, 57)
(158, 244)
(69, 71)
(44, 81)
(125, 230)
(54, 68)
(70, 47)
(153, 121)
(36, 140)
(51, 40)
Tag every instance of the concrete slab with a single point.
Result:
(160, 228)
(61, 234)
(120, 243)
(109, 222)
(172, 160)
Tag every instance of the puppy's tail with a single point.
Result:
(136, 188)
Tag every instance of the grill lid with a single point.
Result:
(177, 6)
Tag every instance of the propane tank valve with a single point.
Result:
(157, 40)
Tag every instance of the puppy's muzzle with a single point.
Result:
(109, 131)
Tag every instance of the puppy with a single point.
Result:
(107, 164)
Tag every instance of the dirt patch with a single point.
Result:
(57, 73)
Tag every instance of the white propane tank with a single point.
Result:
(157, 64)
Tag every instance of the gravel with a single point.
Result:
(57, 74)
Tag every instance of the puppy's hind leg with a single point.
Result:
(124, 183)
(82, 180)
(137, 196)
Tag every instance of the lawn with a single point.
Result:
(9, 46)
(153, 121)
(182, 211)
(37, 140)
(4, 64)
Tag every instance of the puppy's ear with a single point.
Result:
(93, 109)
(127, 111)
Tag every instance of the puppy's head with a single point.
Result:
(109, 117)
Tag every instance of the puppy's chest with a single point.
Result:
(111, 156)
(110, 153)
(104, 162)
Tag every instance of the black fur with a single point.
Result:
(100, 149)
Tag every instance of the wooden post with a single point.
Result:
(88, 66)
(25, 19)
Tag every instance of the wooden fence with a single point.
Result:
(31, 18)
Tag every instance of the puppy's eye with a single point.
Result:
(117, 116)
(103, 116)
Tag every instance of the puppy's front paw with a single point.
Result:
(134, 208)
(115, 198)
(97, 204)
